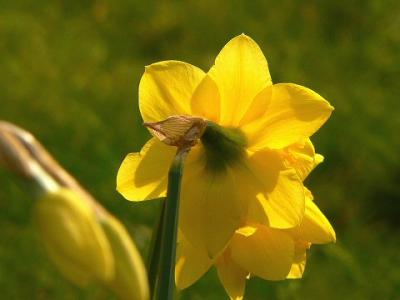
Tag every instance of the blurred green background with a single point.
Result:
(70, 72)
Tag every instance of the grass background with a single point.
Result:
(70, 72)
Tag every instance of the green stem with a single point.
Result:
(165, 285)
(154, 253)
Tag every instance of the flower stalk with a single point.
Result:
(182, 132)
(154, 255)
(165, 285)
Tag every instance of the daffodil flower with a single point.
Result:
(239, 171)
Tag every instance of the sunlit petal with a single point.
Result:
(166, 89)
(241, 72)
(315, 227)
(206, 100)
(293, 113)
(143, 176)
(301, 157)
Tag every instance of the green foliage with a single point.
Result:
(70, 72)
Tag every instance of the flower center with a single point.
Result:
(223, 146)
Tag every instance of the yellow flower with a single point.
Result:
(257, 250)
(238, 172)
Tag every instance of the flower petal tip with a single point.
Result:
(161, 65)
(333, 236)
(319, 159)
(244, 37)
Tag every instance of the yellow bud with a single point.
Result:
(73, 237)
(130, 280)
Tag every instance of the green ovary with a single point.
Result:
(223, 146)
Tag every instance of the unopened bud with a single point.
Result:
(130, 279)
(73, 237)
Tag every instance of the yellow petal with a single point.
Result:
(241, 72)
(301, 157)
(293, 113)
(299, 261)
(319, 159)
(315, 227)
(206, 100)
(268, 253)
(232, 277)
(257, 108)
(210, 211)
(277, 198)
(143, 176)
(166, 89)
(192, 262)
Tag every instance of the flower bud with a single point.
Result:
(130, 279)
(73, 237)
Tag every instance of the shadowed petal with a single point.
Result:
(192, 262)
(299, 262)
(267, 253)
(277, 195)
(211, 210)
(232, 277)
